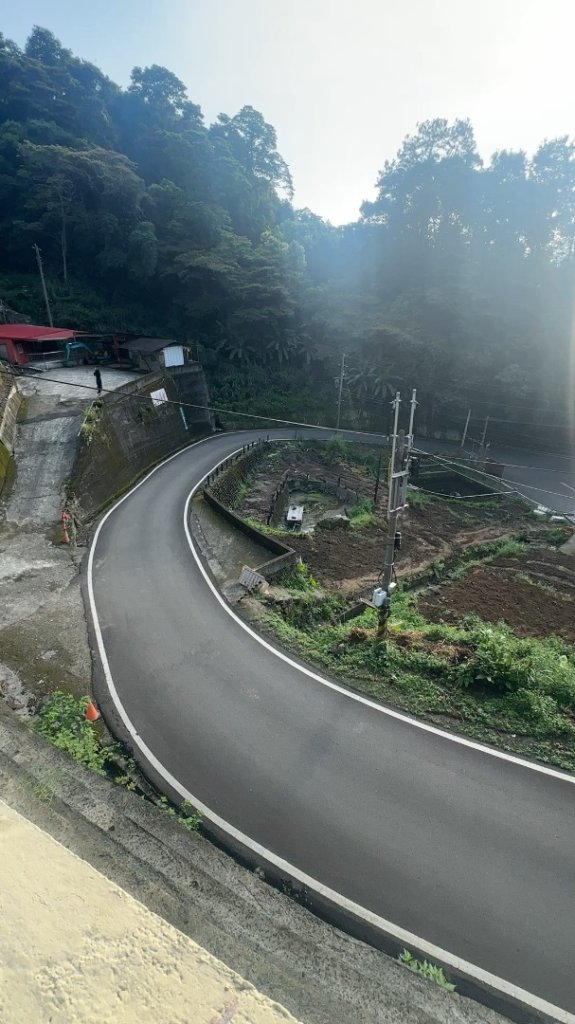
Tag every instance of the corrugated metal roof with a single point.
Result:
(148, 344)
(32, 332)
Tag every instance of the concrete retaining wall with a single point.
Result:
(10, 401)
(223, 484)
(226, 481)
(303, 482)
(124, 434)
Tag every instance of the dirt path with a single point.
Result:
(43, 638)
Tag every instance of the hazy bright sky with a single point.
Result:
(342, 82)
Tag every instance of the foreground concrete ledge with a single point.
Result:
(76, 947)
(320, 974)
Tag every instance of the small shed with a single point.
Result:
(155, 353)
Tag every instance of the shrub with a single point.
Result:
(506, 664)
(309, 610)
(495, 661)
(301, 578)
(62, 721)
(362, 513)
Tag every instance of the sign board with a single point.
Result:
(159, 397)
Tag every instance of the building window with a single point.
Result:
(20, 348)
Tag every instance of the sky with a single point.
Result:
(342, 82)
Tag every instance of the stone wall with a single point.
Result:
(336, 486)
(226, 481)
(124, 434)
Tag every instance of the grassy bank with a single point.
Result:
(473, 677)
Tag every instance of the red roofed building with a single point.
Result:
(23, 343)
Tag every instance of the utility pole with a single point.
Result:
(483, 450)
(465, 428)
(41, 270)
(341, 376)
(412, 408)
(401, 446)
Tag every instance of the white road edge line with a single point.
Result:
(400, 934)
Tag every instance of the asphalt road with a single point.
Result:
(467, 851)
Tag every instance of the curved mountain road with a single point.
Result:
(469, 855)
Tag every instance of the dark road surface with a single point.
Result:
(470, 852)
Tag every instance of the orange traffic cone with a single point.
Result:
(92, 713)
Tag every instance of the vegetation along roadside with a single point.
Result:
(458, 670)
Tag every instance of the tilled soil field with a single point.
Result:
(349, 561)
(534, 595)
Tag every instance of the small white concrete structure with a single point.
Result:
(294, 515)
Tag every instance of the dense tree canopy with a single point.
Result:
(457, 279)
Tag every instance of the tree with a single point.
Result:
(142, 251)
(459, 278)
(430, 189)
(159, 89)
(253, 143)
(43, 46)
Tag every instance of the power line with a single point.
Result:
(282, 422)
(204, 408)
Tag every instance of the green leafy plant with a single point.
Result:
(301, 578)
(418, 498)
(185, 816)
(426, 969)
(91, 420)
(62, 721)
(361, 514)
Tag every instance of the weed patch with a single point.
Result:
(62, 721)
(361, 515)
(513, 693)
(428, 970)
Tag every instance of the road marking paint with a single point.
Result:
(399, 934)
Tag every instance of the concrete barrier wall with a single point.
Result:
(487, 482)
(224, 483)
(277, 565)
(10, 401)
